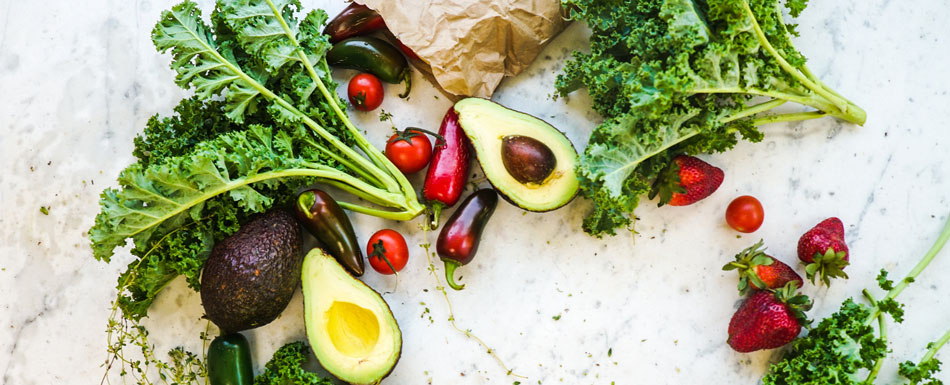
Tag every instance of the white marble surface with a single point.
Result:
(79, 79)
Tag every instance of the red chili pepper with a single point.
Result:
(355, 20)
(459, 238)
(448, 170)
(406, 50)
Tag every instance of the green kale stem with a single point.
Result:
(346, 163)
(935, 347)
(267, 93)
(377, 165)
(879, 315)
(934, 250)
(412, 205)
(846, 110)
(793, 117)
(882, 332)
(758, 108)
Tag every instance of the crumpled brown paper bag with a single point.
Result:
(470, 45)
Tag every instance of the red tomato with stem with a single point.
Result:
(387, 251)
(365, 92)
(410, 150)
(745, 214)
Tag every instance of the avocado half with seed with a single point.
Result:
(527, 160)
(349, 326)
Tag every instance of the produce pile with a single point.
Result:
(222, 191)
(205, 171)
(682, 76)
(264, 160)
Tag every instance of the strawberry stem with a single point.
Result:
(826, 266)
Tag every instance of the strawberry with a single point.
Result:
(824, 251)
(768, 319)
(685, 181)
(761, 270)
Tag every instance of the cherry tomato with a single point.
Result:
(409, 150)
(365, 92)
(387, 245)
(745, 214)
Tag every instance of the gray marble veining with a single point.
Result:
(78, 80)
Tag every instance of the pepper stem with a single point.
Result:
(305, 203)
(407, 77)
(434, 219)
(450, 267)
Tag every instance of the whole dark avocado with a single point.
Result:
(250, 277)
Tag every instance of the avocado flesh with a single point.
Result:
(487, 123)
(350, 327)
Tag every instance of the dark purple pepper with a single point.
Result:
(458, 241)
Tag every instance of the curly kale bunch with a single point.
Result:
(263, 122)
(286, 367)
(682, 76)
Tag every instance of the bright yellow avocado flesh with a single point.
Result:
(486, 123)
(349, 326)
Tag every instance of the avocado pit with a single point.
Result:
(526, 159)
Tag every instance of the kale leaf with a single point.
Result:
(682, 76)
(263, 122)
(285, 368)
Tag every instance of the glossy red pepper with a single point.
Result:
(458, 241)
(354, 20)
(448, 169)
(406, 50)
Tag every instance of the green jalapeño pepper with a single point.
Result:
(369, 54)
(229, 361)
(459, 238)
(326, 221)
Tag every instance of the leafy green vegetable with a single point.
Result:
(194, 121)
(194, 210)
(285, 368)
(923, 372)
(844, 343)
(682, 76)
(263, 123)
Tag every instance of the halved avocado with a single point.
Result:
(350, 327)
(527, 160)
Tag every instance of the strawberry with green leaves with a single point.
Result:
(685, 181)
(824, 251)
(758, 270)
(768, 319)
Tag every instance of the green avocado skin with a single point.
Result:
(250, 277)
